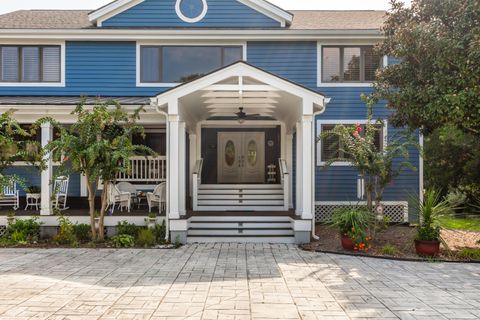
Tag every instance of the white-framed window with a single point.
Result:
(172, 64)
(32, 65)
(330, 147)
(348, 65)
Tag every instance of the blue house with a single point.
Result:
(235, 94)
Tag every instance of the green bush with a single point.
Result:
(123, 241)
(124, 228)
(66, 232)
(26, 229)
(389, 250)
(160, 232)
(428, 233)
(469, 254)
(83, 232)
(146, 238)
(346, 219)
(431, 209)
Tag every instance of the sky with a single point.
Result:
(12, 5)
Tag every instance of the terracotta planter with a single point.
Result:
(427, 248)
(347, 243)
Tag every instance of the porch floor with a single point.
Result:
(78, 212)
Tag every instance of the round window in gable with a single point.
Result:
(191, 11)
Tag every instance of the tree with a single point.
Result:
(376, 166)
(15, 144)
(98, 146)
(437, 79)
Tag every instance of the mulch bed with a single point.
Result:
(400, 236)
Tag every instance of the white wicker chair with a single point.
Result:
(60, 190)
(121, 198)
(9, 196)
(158, 198)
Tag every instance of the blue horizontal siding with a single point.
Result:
(31, 177)
(220, 14)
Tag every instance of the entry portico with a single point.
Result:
(215, 101)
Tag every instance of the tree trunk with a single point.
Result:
(91, 206)
(369, 191)
(104, 207)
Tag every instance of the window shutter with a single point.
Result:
(51, 64)
(150, 64)
(30, 64)
(10, 63)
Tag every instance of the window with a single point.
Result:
(176, 64)
(349, 64)
(331, 146)
(30, 63)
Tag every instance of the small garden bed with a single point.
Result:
(397, 241)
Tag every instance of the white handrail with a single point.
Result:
(146, 169)
(197, 181)
(285, 183)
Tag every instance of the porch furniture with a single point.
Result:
(9, 197)
(121, 198)
(158, 198)
(33, 200)
(60, 190)
(272, 173)
(128, 187)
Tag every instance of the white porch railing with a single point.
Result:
(285, 183)
(146, 169)
(197, 181)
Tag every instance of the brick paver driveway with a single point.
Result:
(229, 281)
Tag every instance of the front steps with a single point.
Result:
(250, 227)
(235, 197)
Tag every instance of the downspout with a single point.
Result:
(314, 142)
(167, 222)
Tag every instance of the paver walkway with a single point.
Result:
(230, 281)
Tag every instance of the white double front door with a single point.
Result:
(241, 157)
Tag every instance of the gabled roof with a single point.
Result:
(303, 20)
(118, 6)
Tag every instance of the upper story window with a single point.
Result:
(177, 64)
(30, 63)
(349, 64)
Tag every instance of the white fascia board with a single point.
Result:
(270, 10)
(195, 34)
(109, 8)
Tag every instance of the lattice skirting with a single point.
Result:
(3, 230)
(396, 211)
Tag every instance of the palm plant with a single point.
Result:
(431, 209)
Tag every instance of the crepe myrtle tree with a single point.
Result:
(378, 167)
(16, 143)
(98, 145)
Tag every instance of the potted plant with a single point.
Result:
(353, 224)
(151, 220)
(33, 192)
(428, 238)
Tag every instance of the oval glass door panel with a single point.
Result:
(252, 153)
(230, 153)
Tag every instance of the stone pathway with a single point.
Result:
(230, 281)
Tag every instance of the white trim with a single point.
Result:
(111, 10)
(270, 11)
(340, 84)
(139, 44)
(110, 221)
(186, 19)
(385, 61)
(40, 84)
(421, 168)
(321, 122)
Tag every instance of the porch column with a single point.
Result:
(174, 167)
(192, 138)
(308, 178)
(46, 175)
(182, 170)
(289, 158)
(299, 171)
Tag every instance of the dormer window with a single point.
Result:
(30, 64)
(177, 64)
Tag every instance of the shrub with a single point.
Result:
(160, 232)
(344, 219)
(26, 229)
(123, 241)
(125, 228)
(66, 232)
(428, 233)
(146, 238)
(469, 254)
(83, 232)
(389, 250)
(18, 237)
(431, 210)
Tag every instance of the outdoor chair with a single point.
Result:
(121, 198)
(158, 198)
(60, 190)
(9, 196)
(128, 187)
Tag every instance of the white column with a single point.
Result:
(174, 168)
(299, 171)
(289, 158)
(192, 138)
(307, 167)
(46, 176)
(182, 170)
